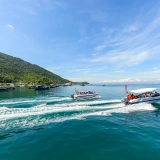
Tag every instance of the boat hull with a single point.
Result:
(142, 100)
(84, 97)
(4, 89)
(41, 88)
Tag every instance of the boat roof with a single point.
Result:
(142, 90)
(86, 91)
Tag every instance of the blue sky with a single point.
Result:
(85, 40)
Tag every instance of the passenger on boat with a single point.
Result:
(90, 92)
(130, 97)
(155, 94)
(148, 94)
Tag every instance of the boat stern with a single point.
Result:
(72, 96)
(124, 100)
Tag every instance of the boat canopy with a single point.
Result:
(142, 90)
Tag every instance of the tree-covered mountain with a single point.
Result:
(14, 69)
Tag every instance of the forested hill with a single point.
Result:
(14, 69)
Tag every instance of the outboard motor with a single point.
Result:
(72, 96)
(124, 100)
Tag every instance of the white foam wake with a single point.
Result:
(39, 100)
(7, 113)
(35, 116)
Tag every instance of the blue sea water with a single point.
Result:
(49, 125)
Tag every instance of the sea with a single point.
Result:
(50, 125)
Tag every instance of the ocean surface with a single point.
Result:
(49, 125)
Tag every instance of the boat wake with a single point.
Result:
(44, 113)
(19, 101)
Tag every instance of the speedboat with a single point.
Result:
(141, 95)
(84, 95)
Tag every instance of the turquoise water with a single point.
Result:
(44, 125)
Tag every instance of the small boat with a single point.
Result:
(3, 89)
(84, 95)
(142, 95)
(41, 87)
(52, 86)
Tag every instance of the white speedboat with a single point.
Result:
(84, 95)
(141, 95)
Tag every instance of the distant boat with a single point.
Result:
(10, 86)
(41, 87)
(84, 95)
(3, 89)
(67, 84)
(53, 86)
(17, 85)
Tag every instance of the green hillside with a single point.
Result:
(14, 69)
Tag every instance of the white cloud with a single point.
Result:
(52, 69)
(29, 11)
(128, 49)
(50, 4)
(98, 48)
(153, 75)
(119, 71)
(81, 71)
(94, 54)
(130, 29)
(123, 59)
(10, 26)
(122, 80)
(61, 4)
(80, 79)
(155, 71)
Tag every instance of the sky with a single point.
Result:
(98, 41)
